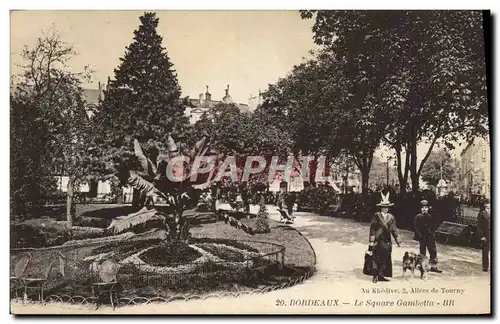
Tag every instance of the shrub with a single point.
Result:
(318, 197)
(81, 233)
(86, 221)
(262, 224)
(39, 233)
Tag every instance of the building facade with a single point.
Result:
(255, 101)
(205, 102)
(475, 169)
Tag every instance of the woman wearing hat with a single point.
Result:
(382, 228)
(483, 228)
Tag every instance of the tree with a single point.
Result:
(305, 105)
(440, 164)
(233, 133)
(433, 80)
(262, 224)
(142, 102)
(30, 164)
(54, 97)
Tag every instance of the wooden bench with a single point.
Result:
(449, 230)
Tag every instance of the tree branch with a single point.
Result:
(436, 137)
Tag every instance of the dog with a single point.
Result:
(412, 262)
(409, 264)
(422, 264)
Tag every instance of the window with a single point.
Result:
(484, 154)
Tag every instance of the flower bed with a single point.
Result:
(170, 253)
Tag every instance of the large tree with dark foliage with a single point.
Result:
(426, 67)
(306, 106)
(142, 102)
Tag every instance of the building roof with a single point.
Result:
(206, 104)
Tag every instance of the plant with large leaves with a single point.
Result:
(172, 177)
(168, 177)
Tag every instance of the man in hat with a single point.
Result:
(425, 232)
(382, 228)
(483, 228)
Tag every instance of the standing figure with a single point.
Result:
(483, 228)
(382, 228)
(425, 232)
(290, 200)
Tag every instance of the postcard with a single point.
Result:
(250, 162)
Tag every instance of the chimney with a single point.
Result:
(208, 96)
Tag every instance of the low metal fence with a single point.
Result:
(71, 274)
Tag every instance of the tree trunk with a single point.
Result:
(312, 170)
(364, 213)
(413, 163)
(402, 174)
(69, 202)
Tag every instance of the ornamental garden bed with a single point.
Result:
(218, 257)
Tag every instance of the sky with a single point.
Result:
(246, 50)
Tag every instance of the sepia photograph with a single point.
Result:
(263, 162)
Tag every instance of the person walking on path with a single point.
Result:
(382, 228)
(483, 227)
(425, 226)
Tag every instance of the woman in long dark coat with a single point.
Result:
(382, 228)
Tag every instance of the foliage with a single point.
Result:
(37, 233)
(262, 224)
(142, 102)
(123, 223)
(304, 106)
(320, 197)
(30, 179)
(234, 135)
(432, 169)
(48, 119)
(205, 201)
(433, 81)
(170, 254)
(140, 113)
